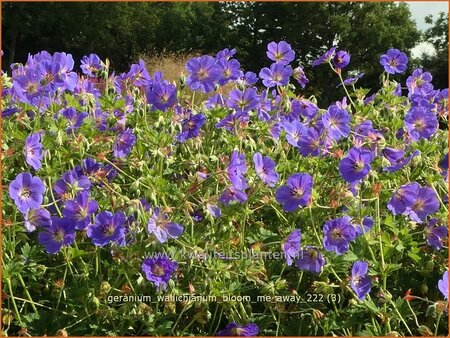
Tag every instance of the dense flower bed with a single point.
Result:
(123, 192)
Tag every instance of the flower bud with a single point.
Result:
(105, 287)
(431, 310)
(62, 333)
(317, 315)
(425, 331)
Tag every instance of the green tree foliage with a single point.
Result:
(365, 29)
(437, 64)
(123, 31)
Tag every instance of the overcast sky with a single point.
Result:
(419, 10)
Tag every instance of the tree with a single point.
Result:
(437, 63)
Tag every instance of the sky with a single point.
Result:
(419, 10)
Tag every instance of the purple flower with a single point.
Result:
(351, 80)
(360, 282)
(26, 191)
(226, 53)
(213, 102)
(159, 270)
(70, 184)
(107, 228)
(34, 151)
(300, 76)
(213, 210)
(124, 142)
(419, 82)
(229, 69)
(324, 58)
(277, 75)
(232, 121)
(265, 169)
(341, 59)
(403, 198)
(234, 329)
(236, 170)
(397, 159)
(367, 224)
(203, 72)
(296, 192)
(243, 101)
(162, 228)
(249, 79)
(91, 65)
(231, 194)
(338, 233)
(293, 130)
(79, 211)
(60, 233)
(37, 218)
(191, 127)
(394, 61)
(356, 165)
(421, 123)
(138, 74)
(336, 121)
(280, 52)
(310, 259)
(435, 234)
(74, 118)
(161, 95)
(291, 246)
(304, 108)
(443, 285)
(425, 203)
(310, 142)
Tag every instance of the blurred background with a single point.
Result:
(167, 34)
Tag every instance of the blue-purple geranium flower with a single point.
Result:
(296, 192)
(356, 165)
(191, 127)
(277, 75)
(236, 170)
(80, 210)
(233, 329)
(231, 194)
(34, 151)
(70, 184)
(159, 270)
(394, 61)
(443, 285)
(108, 227)
(310, 259)
(124, 142)
(160, 226)
(280, 52)
(243, 101)
(291, 246)
(338, 233)
(435, 234)
(403, 198)
(203, 73)
(425, 203)
(36, 218)
(60, 233)
(421, 123)
(341, 59)
(337, 122)
(26, 191)
(360, 282)
(265, 169)
(324, 58)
